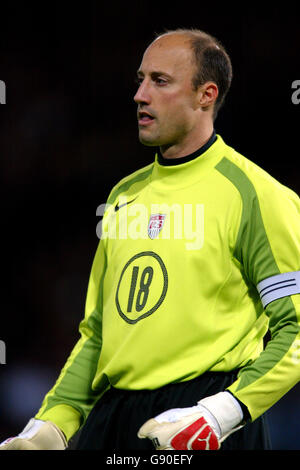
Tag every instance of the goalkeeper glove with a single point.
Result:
(200, 427)
(37, 435)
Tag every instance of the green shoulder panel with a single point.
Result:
(252, 249)
(127, 182)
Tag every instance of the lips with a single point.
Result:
(145, 118)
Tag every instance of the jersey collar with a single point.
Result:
(179, 161)
(188, 170)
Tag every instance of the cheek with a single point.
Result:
(178, 112)
(172, 101)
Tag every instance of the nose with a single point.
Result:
(142, 95)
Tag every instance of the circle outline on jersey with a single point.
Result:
(162, 296)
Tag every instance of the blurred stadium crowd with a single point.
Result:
(68, 134)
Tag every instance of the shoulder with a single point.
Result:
(131, 183)
(252, 180)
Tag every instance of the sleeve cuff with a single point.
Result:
(65, 417)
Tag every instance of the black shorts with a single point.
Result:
(116, 418)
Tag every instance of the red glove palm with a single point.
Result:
(197, 436)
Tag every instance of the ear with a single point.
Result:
(207, 95)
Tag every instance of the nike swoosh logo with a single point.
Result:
(117, 206)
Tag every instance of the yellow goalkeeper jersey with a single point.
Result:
(194, 265)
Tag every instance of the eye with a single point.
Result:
(160, 81)
(138, 80)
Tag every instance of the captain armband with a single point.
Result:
(278, 286)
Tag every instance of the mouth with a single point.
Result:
(145, 118)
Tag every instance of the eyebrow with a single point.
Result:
(154, 74)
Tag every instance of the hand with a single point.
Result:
(37, 435)
(200, 427)
(180, 429)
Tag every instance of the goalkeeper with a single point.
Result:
(199, 257)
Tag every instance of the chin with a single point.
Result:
(148, 141)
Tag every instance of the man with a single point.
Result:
(199, 256)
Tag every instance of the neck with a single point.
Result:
(194, 142)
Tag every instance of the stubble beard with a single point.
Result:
(149, 140)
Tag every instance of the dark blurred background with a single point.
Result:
(68, 133)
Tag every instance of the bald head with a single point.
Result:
(177, 42)
(173, 38)
(209, 57)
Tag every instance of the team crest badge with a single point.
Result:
(155, 225)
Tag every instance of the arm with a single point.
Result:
(71, 399)
(267, 247)
(68, 403)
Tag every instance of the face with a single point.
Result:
(168, 108)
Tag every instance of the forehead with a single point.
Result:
(171, 54)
